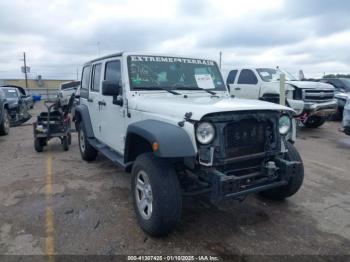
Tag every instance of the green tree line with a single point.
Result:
(337, 76)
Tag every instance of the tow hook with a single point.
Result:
(302, 117)
(271, 169)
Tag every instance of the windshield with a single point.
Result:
(271, 74)
(73, 84)
(159, 72)
(346, 83)
(10, 93)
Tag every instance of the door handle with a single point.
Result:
(237, 88)
(101, 103)
(90, 100)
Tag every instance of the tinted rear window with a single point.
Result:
(232, 76)
(247, 76)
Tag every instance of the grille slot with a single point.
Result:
(318, 95)
(246, 137)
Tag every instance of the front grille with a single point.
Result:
(317, 95)
(243, 139)
(246, 137)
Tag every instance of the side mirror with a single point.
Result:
(110, 88)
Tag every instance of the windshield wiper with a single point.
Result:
(196, 88)
(157, 88)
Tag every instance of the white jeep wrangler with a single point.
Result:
(171, 122)
(313, 102)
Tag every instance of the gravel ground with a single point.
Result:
(88, 208)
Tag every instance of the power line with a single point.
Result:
(25, 69)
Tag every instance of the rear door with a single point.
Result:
(94, 98)
(247, 85)
(88, 99)
(231, 79)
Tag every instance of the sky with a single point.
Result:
(59, 36)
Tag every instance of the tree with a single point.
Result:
(337, 76)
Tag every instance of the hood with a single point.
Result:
(178, 106)
(310, 85)
(12, 100)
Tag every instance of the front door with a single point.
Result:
(247, 85)
(113, 116)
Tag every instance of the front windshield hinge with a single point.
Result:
(187, 118)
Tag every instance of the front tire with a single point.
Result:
(338, 115)
(39, 144)
(5, 124)
(315, 121)
(294, 183)
(157, 195)
(65, 143)
(87, 151)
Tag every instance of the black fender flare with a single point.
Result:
(82, 111)
(173, 141)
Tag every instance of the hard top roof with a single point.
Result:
(142, 53)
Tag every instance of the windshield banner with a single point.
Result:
(164, 59)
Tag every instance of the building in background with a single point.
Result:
(44, 87)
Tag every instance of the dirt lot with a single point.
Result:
(54, 202)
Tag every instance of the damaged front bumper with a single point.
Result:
(324, 109)
(229, 186)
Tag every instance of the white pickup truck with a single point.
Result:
(313, 102)
(66, 90)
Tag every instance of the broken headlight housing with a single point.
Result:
(205, 133)
(289, 91)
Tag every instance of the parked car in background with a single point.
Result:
(346, 118)
(26, 97)
(342, 93)
(4, 116)
(313, 102)
(75, 103)
(66, 90)
(17, 105)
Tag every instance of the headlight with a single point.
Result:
(205, 133)
(284, 124)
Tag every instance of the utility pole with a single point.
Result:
(25, 69)
(220, 59)
(283, 89)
